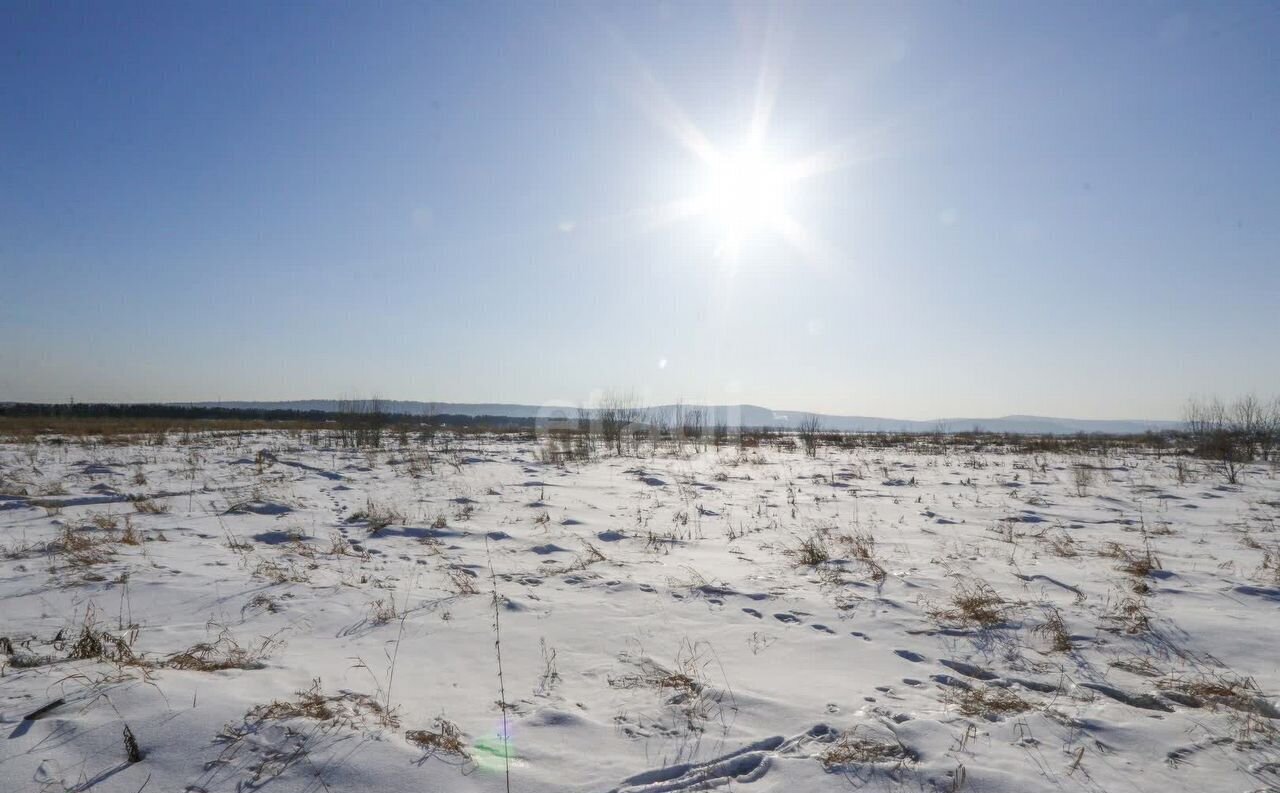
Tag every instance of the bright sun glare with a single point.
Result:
(746, 194)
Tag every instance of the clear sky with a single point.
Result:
(907, 210)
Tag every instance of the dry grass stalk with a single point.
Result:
(852, 749)
(973, 604)
(989, 702)
(444, 738)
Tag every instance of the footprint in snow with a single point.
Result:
(786, 617)
(968, 670)
(914, 658)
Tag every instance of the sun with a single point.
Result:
(746, 194)
(750, 195)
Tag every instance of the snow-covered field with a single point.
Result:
(279, 614)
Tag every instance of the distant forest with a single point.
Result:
(105, 410)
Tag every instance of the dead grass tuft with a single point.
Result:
(812, 551)
(973, 604)
(376, 517)
(1054, 629)
(443, 738)
(851, 749)
(148, 506)
(346, 708)
(989, 702)
(224, 652)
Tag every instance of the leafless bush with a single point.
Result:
(617, 413)
(1231, 435)
(360, 422)
(1082, 477)
(808, 432)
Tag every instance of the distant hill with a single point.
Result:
(750, 416)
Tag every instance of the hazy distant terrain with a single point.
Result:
(750, 416)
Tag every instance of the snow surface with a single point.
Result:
(660, 627)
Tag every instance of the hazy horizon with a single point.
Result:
(905, 211)
(595, 400)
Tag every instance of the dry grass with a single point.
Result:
(1054, 629)
(1060, 544)
(862, 547)
(104, 521)
(345, 708)
(277, 573)
(590, 555)
(463, 581)
(223, 652)
(812, 551)
(1137, 563)
(130, 535)
(1129, 615)
(376, 517)
(383, 611)
(683, 687)
(443, 738)
(989, 702)
(1137, 665)
(92, 643)
(149, 506)
(852, 748)
(1234, 692)
(973, 604)
(83, 549)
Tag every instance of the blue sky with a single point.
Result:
(1066, 209)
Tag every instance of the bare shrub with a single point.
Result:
(808, 432)
(1082, 476)
(616, 414)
